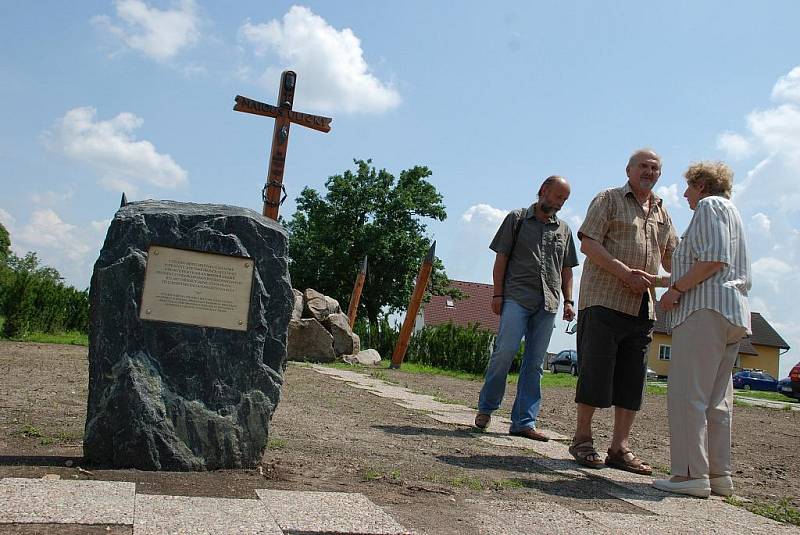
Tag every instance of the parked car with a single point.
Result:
(755, 380)
(791, 385)
(652, 375)
(565, 361)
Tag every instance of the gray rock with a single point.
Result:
(309, 341)
(297, 311)
(345, 341)
(319, 306)
(368, 357)
(166, 396)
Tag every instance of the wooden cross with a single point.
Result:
(284, 116)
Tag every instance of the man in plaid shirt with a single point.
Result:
(626, 236)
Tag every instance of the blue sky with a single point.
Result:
(103, 97)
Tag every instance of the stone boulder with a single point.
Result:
(169, 396)
(368, 357)
(345, 341)
(318, 306)
(297, 311)
(309, 341)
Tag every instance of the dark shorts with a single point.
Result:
(612, 358)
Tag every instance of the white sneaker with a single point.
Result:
(722, 485)
(699, 488)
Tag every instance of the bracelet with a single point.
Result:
(673, 287)
(501, 295)
(569, 301)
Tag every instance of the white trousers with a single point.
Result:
(700, 394)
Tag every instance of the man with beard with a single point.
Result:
(535, 257)
(626, 236)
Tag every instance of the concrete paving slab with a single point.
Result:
(509, 518)
(552, 449)
(43, 501)
(167, 515)
(328, 513)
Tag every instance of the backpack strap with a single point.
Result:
(517, 226)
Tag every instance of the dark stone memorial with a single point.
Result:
(186, 364)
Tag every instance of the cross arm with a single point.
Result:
(315, 122)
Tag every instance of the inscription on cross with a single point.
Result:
(284, 116)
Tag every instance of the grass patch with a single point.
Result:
(31, 431)
(472, 483)
(370, 474)
(782, 511)
(770, 396)
(73, 338)
(504, 484)
(276, 444)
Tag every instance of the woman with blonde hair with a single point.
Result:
(709, 314)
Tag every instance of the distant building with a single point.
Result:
(477, 308)
(762, 350)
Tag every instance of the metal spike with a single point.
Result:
(431, 253)
(123, 201)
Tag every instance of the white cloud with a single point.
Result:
(761, 222)
(734, 145)
(788, 87)
(669, 194)
(111, 150)
(778, 131)
(771, 271)
(333, 74)
(484, 213)
(7, 219)
(46, 230)
(69, 247)
(159, 34)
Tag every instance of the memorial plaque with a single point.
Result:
(196, 288)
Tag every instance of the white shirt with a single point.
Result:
(715, 234)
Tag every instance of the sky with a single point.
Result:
(97, 98)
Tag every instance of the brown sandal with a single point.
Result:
(582, 451)
(627, 461)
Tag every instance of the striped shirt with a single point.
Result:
(638, 239)
(715, 234)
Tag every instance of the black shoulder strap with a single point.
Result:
(517, 226)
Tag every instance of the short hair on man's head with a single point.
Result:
(549, 181)
(716, 178)
(645, 151)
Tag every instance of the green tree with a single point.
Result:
(5, 243)
(366, 212)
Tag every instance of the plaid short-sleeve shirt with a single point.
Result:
(638, 239)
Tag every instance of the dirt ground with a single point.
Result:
(328, 436)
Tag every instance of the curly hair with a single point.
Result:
(716, 178)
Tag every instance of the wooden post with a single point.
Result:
(284, 116)
(355, 297)
(413, 307)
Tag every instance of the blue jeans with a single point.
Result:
(536, 326)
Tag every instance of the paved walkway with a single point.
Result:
(55, 504)
(771, 404)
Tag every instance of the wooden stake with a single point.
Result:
(355, 297)
(413, 307)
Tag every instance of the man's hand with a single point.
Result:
(670, 299)
(569, 312)
(497, 304)
(638, 281)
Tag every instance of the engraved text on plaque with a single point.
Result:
(196, 288)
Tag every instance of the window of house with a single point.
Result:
(664, 352)
(449, 303)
